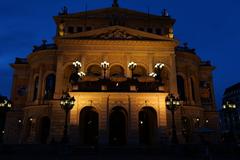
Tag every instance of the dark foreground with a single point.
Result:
(166, 152)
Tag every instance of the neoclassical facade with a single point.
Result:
(119, 105)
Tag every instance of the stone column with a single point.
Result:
(190, 90)
(32, 137)
(162, 110)
(127, 71)
(133, 134)
(41, 87)
(150, 63)
(30, 88)
(173, 77)
(59, 78)
(74, 121)
(103, 120)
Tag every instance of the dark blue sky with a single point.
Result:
(210, 26)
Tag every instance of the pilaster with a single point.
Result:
(59, 78)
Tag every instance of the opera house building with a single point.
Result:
(130, 80)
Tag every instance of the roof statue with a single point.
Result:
(115, 3)
(64, 11)
(165, 13)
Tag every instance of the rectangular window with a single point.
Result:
(150, 30)
(79, 29)
(88, 28)
(158, 31)
(70, 29)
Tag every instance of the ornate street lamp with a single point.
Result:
(153, 74)
(67, 103)
(172, 104)
(5, 106)
(158, 68)
(132, 66)
(104, 66)
(81, 74)
(76, 75)
(77, 65)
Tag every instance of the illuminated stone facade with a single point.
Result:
(117, 110)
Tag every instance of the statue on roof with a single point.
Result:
(115, 3)
(165, 13)
(64, 11)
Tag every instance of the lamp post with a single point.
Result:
(158, 68)
(104, 66)
(153, 74)
(132, 66)
(172, 104)
(67, 103)
(77, 65)
(5, 106)
(76, 75)
(229, 108)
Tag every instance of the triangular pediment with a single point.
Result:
(116, 33)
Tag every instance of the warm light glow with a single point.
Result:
(159, 65)
(132, 65)
(77, 64)
(105, 65)
(234, 106)
(81, 74)
(153, 74)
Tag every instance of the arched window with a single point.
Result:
(35, 90)
(49, 87)
(139, 71)
(181, 87)
(193, 90)
(116, 71)
(94, 70)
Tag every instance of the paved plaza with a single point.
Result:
(62, 152)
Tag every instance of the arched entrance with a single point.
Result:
(88, 123)
(44, 129)
(147, 125)
(186, 128)
(118, 126)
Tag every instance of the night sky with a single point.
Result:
(212, 27)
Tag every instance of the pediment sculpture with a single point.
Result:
(116, 34)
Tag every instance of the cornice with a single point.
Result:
(113, 44)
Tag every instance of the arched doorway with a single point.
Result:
(186, 128)
(147, 125)
(44, 129)
(88, 123)
(118, 126)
